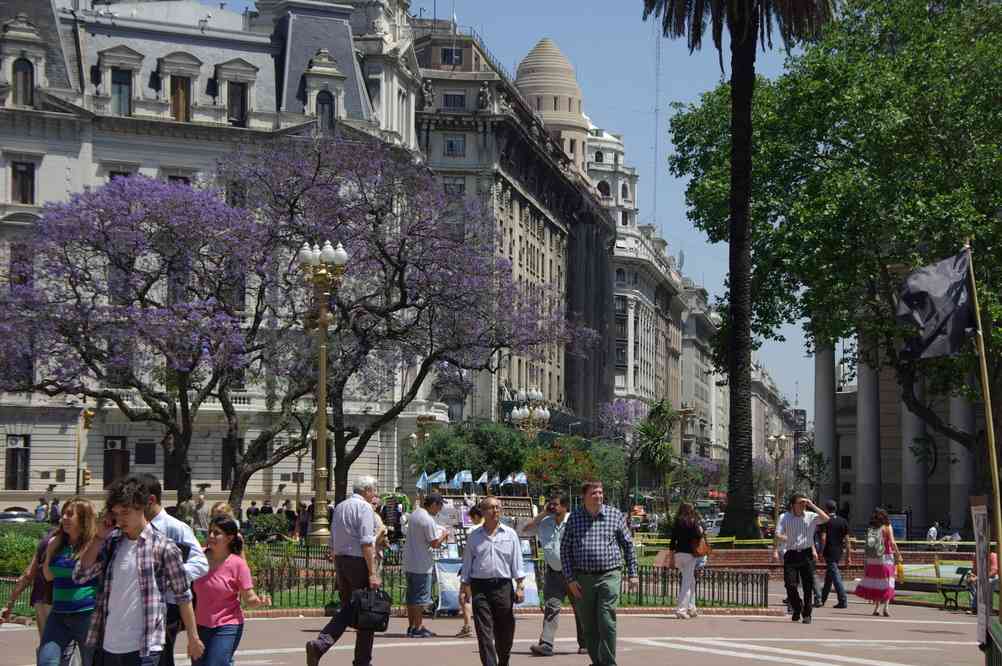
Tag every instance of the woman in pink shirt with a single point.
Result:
(220, 592)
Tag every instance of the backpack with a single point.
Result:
(874, 543)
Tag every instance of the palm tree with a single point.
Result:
(749, 23)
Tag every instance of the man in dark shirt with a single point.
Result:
(835, 540)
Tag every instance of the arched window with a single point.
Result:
(325, 111)
(603, 188)
(620, 275)
(24, 82)
(599, 157)
(626, 191)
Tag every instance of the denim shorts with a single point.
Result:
(418, 589)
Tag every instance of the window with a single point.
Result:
(146, 452)
(621, 304)
(455, 146)
(603, 189)
(121, 92)
(455, 101)
(620, 275)
(570, 105)
(23, 182)
(179, 180)
(236, 104)
(599, 157)
(846, 488)
(539, 103)
(621, 329)
(18, 462)
(454, 185)
(621, 354)
(116, 459)
(556, 103)
(326, 111)
(452, 56)
(180, 98)
(112, 175)
(579, 106)
(21, 273)
(238, 379)
(574, 145)
(625, 218)
(846, 462)
(625, 191)
(24, 82)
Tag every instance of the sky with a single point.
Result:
(613, 52)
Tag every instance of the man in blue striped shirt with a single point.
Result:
(795, 537)
(595, 542)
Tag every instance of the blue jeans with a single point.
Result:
(129, 659)
(833, 577)
(220, 644)
(61, 630)
(993, 582)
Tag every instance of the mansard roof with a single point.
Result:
(42, 14)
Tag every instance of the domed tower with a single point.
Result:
(547, 80)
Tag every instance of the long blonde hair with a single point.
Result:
(222, 509)
(86, 519)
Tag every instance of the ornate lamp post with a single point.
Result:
(775, 446)
(530, 414)
(324, 268)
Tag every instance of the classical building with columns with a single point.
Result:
(94, 90)
(489, 135)
(870, 436)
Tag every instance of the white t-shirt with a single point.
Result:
(123, 630)
(421, 531)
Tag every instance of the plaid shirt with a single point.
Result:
(160, 569)
(596, 543)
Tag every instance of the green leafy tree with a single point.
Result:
(877, 151)
(610, 467)
(502, 449)
(449, 449)
(749, 23)
(564, 464)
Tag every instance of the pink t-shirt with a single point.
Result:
(218, 593)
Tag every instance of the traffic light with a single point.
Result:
(85, 481)
(88, 418)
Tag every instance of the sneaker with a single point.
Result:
(410, 632)
(465, 632)
(682, 615)
(807, 619)
(312, 654)
(693, 612)
(541, 650)
(796, 616)
(841, 604)
(423, 632)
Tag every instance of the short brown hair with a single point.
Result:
(588, 486)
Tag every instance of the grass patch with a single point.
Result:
(936, 598)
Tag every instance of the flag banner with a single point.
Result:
(465, 476)
(483, 478)
(496, 480)
(510, 479)
(937, 300)
(457, 482)
(422, 483)
(521, 478)
(437, 477)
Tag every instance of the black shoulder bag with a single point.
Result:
(370, 609)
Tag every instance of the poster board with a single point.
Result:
(531, 589)
(899, 525)
(447, 575)
(982, 530)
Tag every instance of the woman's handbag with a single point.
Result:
(370, 609)
(701, 547)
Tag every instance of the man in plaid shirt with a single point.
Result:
(594, 544)
(135, 565)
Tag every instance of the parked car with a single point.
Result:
(7, 517)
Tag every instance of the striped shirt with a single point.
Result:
(593, 544)
(67, 595)
(798, 530)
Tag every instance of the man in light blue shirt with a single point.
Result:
(549, 528)
(492, 559)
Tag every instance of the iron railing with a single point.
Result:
(23, 604)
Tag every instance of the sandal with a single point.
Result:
(465, 632)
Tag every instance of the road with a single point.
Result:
(911, 637)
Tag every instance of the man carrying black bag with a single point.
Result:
(352, 544)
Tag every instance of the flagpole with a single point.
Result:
(989, 423)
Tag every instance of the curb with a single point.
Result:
(400, 611)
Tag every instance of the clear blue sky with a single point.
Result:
(613, 51)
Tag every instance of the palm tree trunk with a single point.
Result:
(739, 519)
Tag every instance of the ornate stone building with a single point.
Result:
(92, 90)
(480, 131)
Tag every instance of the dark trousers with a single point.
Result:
(554, 593)
(171, 629)
(833, 577)
(494, 617)
(798, 566)
(352, 574)
(128, 659)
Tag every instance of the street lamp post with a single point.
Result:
(530, 414)
(324, 268)
(776, 447)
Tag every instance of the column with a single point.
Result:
(962, 417)
(631, 313)
(824, 415)
(914, 473)
(867, 462)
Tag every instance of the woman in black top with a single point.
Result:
(685, 536)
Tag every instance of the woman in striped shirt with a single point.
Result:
(72, 603)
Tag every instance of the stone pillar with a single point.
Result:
(867, 463)
(824, 415)
(914, 473)
(631, 314)
(962, 417)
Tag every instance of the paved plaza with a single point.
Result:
(912, 637)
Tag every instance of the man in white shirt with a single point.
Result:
(423, 536)
(933, 533)
(492, 559)
(196, 564)
(795, 532)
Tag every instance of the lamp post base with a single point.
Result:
(320, 533)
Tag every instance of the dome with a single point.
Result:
(546, 78)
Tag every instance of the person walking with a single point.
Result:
(549, 526)
(200, 517)
(423, 536)
(253, 511)
(54, 513)
(133, 565)
(878, 570)
(72, 603)
(796, 531)
(592, 549)
(195, 563)
(223, 593)
(993, 581)
(41, 511)
(477, 520)
(686, 534)
(492, 559)
(41, 589)
(835, 542)
(380, 530)
(352, 538)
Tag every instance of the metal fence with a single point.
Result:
(292, 586)
(23, 605)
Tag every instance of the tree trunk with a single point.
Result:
(341, 468)
(241, 477)
(739, 519)
(180, 456)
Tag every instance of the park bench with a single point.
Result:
(951, 591)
